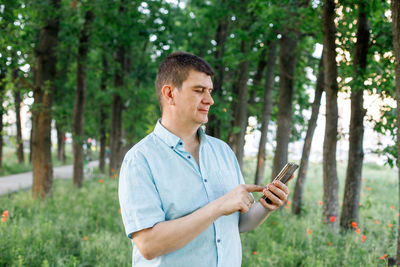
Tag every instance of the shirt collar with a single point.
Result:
(172, 140)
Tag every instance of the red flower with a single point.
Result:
(101, 181)
(320, 203)
(288, 202)
(390, 225)
(383, 257)
(357, 231)
(332, 219)
(5, 213)
(354, 224)
(362, 238)
(254, 252)
(309, 231)
(85, 238)
(393, 207)
(4, 219)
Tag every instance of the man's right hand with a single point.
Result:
(238, 199)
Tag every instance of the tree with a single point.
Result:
(312, 124)
(214, 124)
(41, 112)
(331, 183)
(395, 7)
(80, 99)
(266, 110)
(287, 66)
(351, 198)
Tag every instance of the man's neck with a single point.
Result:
(187, 132)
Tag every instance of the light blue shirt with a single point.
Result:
(160, 181)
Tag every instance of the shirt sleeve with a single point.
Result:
(139, 200)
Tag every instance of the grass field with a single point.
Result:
(84, 227)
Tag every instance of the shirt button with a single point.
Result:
(172, 147)
(218, 240)
(205, 180)
(189, 157)
(180, 143)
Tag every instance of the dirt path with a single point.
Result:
(16, 182)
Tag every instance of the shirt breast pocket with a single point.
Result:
(224, 181)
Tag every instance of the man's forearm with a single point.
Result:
(253, 218)
(168, 236)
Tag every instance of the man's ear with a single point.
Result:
(168, 94)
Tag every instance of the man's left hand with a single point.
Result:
(281, 192)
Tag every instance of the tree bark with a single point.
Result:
(331, 183)
(287, 66)
(312, 124)
(60, 143)
(2, 89)
(41, 112)
(80, 101)
(116, 113)
(351, 197)
(103, 117)
(240, 121)
(266, 111)
(395, 6)
(17, 105)
(214, 124)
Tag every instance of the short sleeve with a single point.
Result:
(139, 200)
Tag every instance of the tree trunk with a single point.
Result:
(116, 113)
(2, 90)
(30, 142)
(262, 63)
(103, 117)
(266, 111)
(41, 112)
(214, 124)
(395, 6)
(240, 121)
(287, 66)
(60, 143)
(312, 124)
(80, 101)
(351, 197)
(331, 183)
(20, 145)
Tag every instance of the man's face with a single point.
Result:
(193, 100)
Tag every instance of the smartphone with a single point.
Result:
(284, 176)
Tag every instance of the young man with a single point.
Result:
(182, 195)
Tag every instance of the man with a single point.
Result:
(182, 195)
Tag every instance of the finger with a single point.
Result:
(250, 199)
(254, 188)
(278, 192)
(244, 208)
(270, 207)
(282, 186)
(274, 199)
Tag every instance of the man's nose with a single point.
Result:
(207, 99)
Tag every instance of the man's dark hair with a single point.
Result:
(175, 69)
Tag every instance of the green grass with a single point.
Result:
(51, 232)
